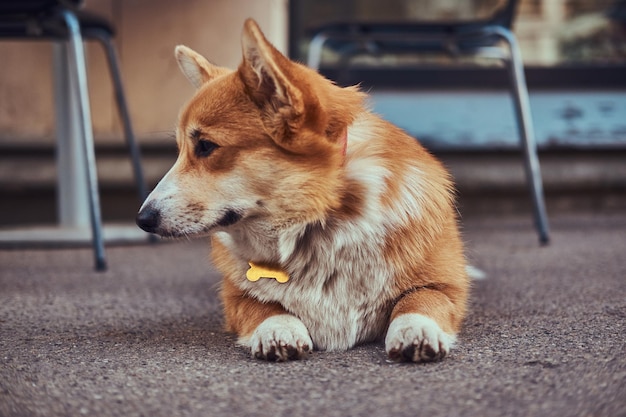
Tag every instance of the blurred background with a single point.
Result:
(575, 62)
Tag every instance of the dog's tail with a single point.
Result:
(475, 273)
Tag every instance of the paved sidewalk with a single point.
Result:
(545, 336)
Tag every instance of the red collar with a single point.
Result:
(343, 140)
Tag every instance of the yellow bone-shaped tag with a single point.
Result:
(256, 272)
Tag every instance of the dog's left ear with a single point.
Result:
(196, 67)
(267, 75)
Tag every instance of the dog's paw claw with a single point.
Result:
(416, 338)
(280, 338)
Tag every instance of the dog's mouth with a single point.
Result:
(151, 221)
(229, 218)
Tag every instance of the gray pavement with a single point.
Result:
(545, 336)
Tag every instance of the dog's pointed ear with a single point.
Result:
(267, 75)
(196, 67)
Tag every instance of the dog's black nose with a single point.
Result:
(148, 219)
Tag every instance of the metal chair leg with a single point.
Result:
(522, 114)
(526, 131)
(316, 46)
(131, 142)
(79, 77)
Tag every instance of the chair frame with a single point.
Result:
(477, 38)
(76, 152)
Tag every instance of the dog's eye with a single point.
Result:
(205, 148)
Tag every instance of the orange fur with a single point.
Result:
(368, 236)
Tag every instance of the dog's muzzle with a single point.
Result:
(148, 218)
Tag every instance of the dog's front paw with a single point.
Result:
(280, 338)
(417, 338)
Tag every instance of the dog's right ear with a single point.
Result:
(267, 76)
(196, 67)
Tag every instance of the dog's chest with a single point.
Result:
(342, 296)
(339, 312)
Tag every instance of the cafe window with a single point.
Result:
(571, 36)
(574, 54)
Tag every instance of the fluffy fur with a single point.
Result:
(367, 230)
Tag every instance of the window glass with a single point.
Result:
(553, 32)
(550, 32)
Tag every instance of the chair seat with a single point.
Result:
(47, 25)
(373, 28)
(403, 36)
(32, 6)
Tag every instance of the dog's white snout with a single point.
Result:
(153, 211)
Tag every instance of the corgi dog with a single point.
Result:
(331, 227)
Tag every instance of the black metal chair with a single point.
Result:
(60, 21)
(474, 38)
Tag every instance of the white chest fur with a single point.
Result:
(340, 284)
(342, 296)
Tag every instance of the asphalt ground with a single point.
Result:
(545, 336)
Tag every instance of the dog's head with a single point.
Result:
(260, 145)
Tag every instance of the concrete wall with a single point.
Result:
(147, 32)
